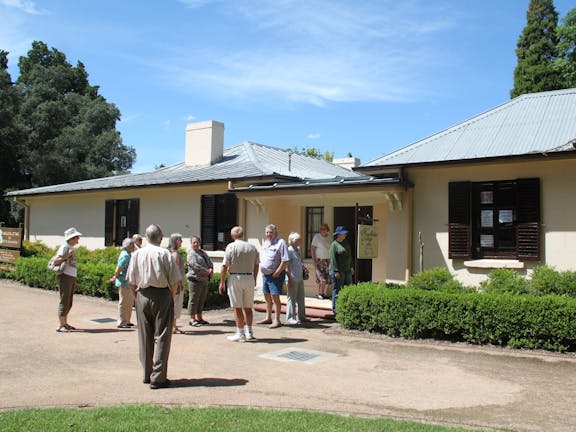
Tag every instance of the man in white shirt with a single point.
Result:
(154, 275)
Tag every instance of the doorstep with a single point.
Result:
(315, 308)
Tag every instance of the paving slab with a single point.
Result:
(319, 367)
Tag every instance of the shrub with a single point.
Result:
(39, 249)
(545, 280)
(436, 279)
(505, 281)
(521, 321)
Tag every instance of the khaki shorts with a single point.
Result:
(241, 290)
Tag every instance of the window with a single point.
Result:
(495, 219)
(122, 219)
(219, 216)
(314, 218)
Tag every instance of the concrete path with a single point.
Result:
(320, 367)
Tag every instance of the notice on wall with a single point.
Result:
(10, 237)
(367, 242)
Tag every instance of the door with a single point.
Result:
(348, 217)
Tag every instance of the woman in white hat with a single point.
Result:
(67, 279)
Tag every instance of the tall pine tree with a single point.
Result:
(537, 51)
(566, 62)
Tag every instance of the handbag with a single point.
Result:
(58, 269)
(305, 273)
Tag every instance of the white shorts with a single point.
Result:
(241, 290)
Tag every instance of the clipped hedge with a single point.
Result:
(520, 321)
(94, 272)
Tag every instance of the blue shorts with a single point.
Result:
(272, 285)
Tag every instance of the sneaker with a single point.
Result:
(320, 297)
(292, 321)
(249, 336)
(236, 337)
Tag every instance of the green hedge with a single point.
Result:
(93, 277)
(521, 321)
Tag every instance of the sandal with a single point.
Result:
(178, 331)
(62, 329)
(195, 323)
(69, 327)
(203, 322)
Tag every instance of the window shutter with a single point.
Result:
(227, 217)
(109, 223)
(209, 222)
(459, 225)
(133, 217)
(528, 226)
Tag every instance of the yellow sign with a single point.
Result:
(10, 237)
(367, 242)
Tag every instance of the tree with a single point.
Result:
(69, 129)
(314, 153)
(537, 51)
(10, 135)
(566, 62)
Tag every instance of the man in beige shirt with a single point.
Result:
(154, 275)
(241, 261)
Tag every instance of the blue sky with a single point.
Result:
(365, 77)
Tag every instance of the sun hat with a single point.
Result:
(340, 230)
(71, 233)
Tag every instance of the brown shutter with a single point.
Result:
(227, 217)
(528, 226)
(208, 218)
(133, 217)
(109, 223)
(459, 224)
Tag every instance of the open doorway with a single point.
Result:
(349, 217)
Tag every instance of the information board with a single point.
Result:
(367, 242)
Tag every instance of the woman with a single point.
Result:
(67, 279)
(295, 307)
(320, 256)
(200, 270)
(174, 244)
(137, 241)
(125, 293)
(340, 263)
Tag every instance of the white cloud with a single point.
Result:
(26, 6)
(190, 118)
(313, 136)
(317, 51)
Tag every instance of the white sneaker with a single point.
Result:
(236, 337)
(249, 336)
(292, 321)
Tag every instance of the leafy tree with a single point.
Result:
(537, 51)
(566, 62)
(69, 129)
(314, 153)
(10, 135)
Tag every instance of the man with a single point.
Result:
(273, 266)
(340, 263)
(241, 263)
(155, 277)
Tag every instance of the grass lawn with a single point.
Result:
(167, 418)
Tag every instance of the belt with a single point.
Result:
(241, 273)
(153, 287)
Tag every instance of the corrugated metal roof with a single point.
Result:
(244, 161)
(532, 123)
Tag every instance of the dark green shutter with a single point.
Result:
(208, 218)
(528, 226)
(459, 222)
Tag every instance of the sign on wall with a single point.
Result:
(367, 242)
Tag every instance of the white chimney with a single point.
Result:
(347, 162)
(204, 143)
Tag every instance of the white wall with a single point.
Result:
(558, 206)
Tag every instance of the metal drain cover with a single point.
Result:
(307, 356)
(103, 320)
